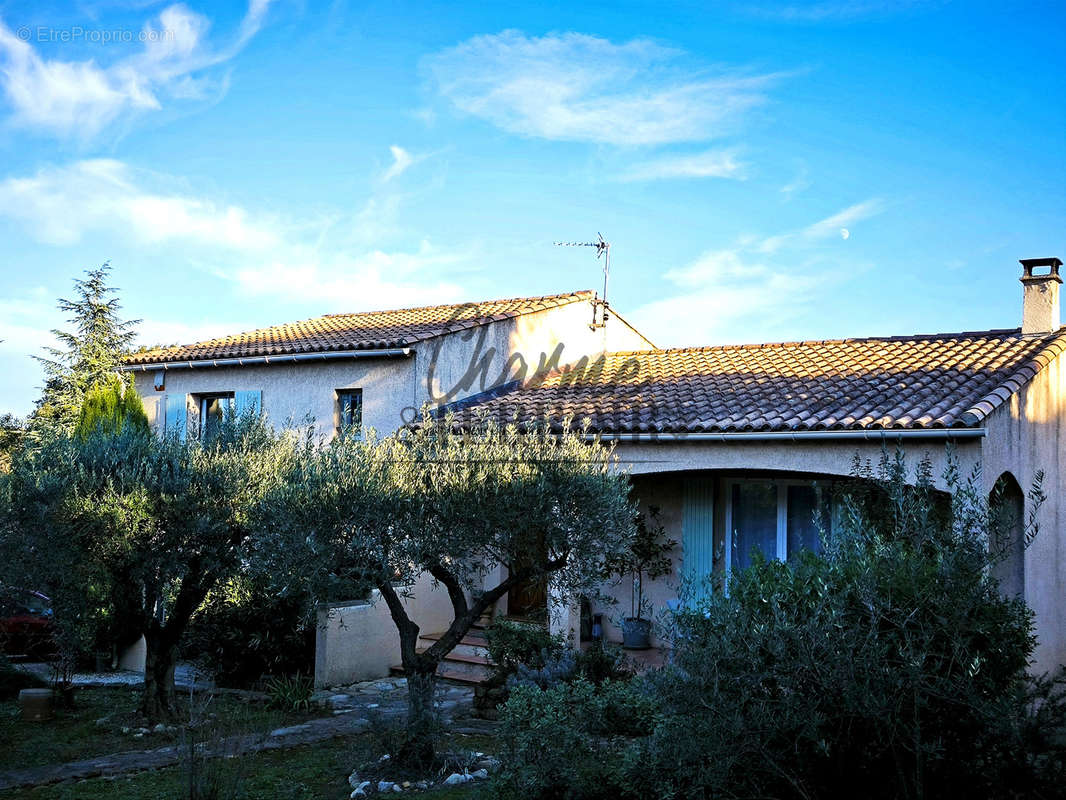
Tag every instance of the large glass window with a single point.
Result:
(777, 517)
(754, 505)
(213, 409)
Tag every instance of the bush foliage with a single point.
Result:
(891, 665)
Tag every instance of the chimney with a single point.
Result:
(1040, 302)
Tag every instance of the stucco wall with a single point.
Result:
(360, 642)
(1026, 435)
(294, 391)
(804, 456)
(449, 367)
(663, 491)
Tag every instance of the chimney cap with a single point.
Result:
(1029, 264)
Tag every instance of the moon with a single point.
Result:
(844, 233)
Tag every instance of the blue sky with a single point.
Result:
(763, 170)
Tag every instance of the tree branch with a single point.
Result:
(451, 583)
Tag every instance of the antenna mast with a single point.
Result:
(603, 248)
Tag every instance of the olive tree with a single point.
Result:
(160, 520)
(457, 505)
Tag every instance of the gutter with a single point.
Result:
(395, 352)
(880, 435)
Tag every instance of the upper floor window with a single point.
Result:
(349, 410)
(213, 410)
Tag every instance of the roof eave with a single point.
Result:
(283, 358)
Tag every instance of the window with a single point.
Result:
(349, 410)
(777, 517)
(213, 409)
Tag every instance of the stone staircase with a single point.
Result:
(467, 663)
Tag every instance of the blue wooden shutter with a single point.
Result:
(697, 534)
(175, 415)
(247, 402)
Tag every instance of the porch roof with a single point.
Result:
(952, 380)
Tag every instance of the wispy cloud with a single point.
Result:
(740, 293)
(709, 164)
(727, 296)
(797, 184)
(79, 99)
(261, 254)
(829, 227)
(59, 205)
(576, 87)
(401, 160)
(833, 10)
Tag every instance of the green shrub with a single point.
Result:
(891, 663)
(290, 692)
(513, 643)
(243, 631)
(570, 740)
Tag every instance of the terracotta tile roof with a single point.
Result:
(926, 381)
(369, 330)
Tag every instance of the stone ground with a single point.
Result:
(351, 709)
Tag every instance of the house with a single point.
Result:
(736, 443)
(372, 370)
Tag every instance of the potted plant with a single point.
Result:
(648, 557)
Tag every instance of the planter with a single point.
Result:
(636, 633)
(35, 704)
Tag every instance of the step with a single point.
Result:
(469, 645)
(445, 671)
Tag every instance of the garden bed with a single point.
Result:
(308, 772)
(104, 720)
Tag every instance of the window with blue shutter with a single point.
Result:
(248, 402)
(175, 415)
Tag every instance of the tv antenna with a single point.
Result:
(603, 248)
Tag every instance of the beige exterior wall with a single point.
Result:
(1026, 435)
(449, 367)
(359, 642)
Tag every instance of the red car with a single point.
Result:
(25, 623)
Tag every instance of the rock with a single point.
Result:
(353, 780)
(396, 787)
(138, 735)
(125, 728)
(480, 774)
(385, 786)
(291, 729)
(373, 705)
(455, 779)
(339, 699)
(160, 728)
(406, 784)
(360, 790)
(384, 758)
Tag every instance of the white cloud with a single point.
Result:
(261, 254)
(740, 294)
(726, 296)
(826, 228)
(59, 205)
(79, 99)
(798, 183)
(401, 161)
(709, 164)
(575, 87)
